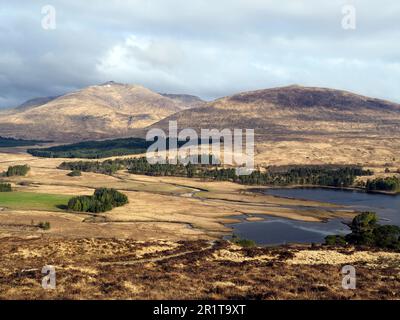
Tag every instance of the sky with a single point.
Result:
(209, 48)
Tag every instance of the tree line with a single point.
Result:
(102, 200)
(105, 167)
(308, 175)
(99, 149)
(94, 149)
(11, 142)
(322, 175)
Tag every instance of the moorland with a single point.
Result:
(175, 222)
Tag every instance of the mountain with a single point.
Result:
(102, 111)
(289, 109)
(187, 101)
(35, 102)
(293, 125)
(298, 124)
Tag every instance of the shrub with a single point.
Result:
(98, 206)
(5, 187)
(387, 237)
(44, 225)
(74, 173)
(112, 196)
(335, 240)
(81, 203)
(366, 231)
(246, 243)
(384, 184)
(19, 170)
(362, 228)
(24, 183)
(102, 200)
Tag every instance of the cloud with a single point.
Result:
(203, 47)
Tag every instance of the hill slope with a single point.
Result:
(305, 125)
(186, 100)
(291, 109)
(35, 102)
(103, 111)
(293, 125)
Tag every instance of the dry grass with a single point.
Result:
(159, 207)
(94, 112)
(120, 255)
(127, 269)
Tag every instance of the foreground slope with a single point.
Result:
(159, 269)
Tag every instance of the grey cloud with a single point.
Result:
(203, 47)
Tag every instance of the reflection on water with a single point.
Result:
(279, 231)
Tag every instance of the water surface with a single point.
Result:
(275, 230)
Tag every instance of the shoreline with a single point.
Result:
(302, 186)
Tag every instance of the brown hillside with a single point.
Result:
(306, 125)
(102, 111)
(186, 100)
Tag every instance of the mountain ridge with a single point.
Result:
(293, 124)
(101, 111)
(290, 104)
(304, 125)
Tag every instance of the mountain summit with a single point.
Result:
(96, 112)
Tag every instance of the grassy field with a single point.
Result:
(33, 201)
